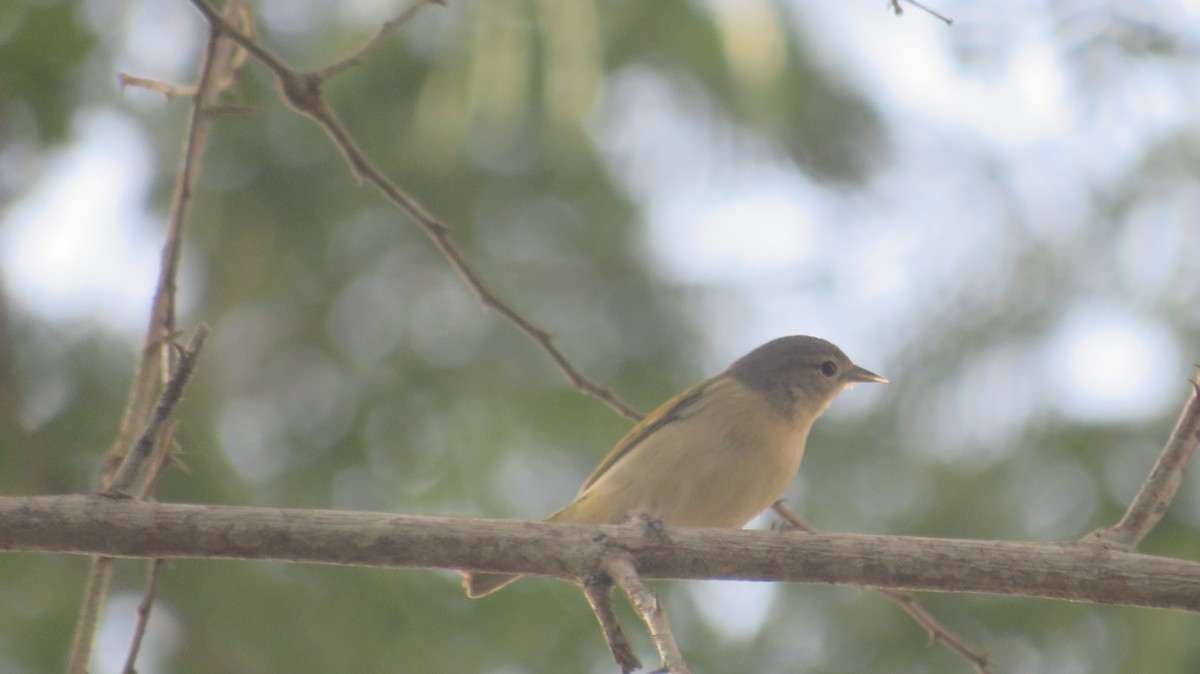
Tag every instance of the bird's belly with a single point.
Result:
(722, 487)
(726, 493)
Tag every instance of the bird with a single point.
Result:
(717, 454)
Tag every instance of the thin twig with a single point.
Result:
(143, 613)
(1157, 492)
(303, 92)
(598, 591)
(159, 462)
(98, 578)
(385, 30)
(164, 88)
(154, 366)
(622, 570)
(155, 359)
(153, 446)
(935, 629)
(895, 5)
(131, 469)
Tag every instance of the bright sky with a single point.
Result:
(78, 246)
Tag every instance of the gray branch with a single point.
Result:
(1157, 492)
(1089, 572)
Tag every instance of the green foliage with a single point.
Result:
(42, 46)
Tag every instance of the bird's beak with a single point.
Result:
(860, 375)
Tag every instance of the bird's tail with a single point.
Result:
(483, 584)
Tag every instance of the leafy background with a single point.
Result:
(1000, 216)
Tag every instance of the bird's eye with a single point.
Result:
(829, 368)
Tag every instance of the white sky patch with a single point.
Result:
(904, 63)
(1107, 365)
(881, 267)
(1027, 104)
(738, 609)
(731, 237)
(76, 246)
(162, 40)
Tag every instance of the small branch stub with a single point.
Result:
(598, 591)
(622, 570)
(1158, 491)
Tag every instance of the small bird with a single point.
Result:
(717, 454)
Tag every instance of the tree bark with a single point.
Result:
(1091, 572)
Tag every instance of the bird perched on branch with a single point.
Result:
(717, 454)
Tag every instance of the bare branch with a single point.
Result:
(598, 590)
(160, 459)
(155, 360)
(385, 30)
(622, 570)
(154, 364)
(94, 592)
(143, 613)
(164, 88)
(134, 462)
(1157, 492)
(128, 528)
(303, 93)
(935, 629)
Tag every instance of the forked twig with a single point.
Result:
(598, 591)
(620, 568)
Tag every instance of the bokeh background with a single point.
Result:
(1002, 216)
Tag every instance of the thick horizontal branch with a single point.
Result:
(124, 528)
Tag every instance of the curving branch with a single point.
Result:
(1157, 492)
(384, 31)
(302, 91)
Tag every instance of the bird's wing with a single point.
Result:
(672, 410)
